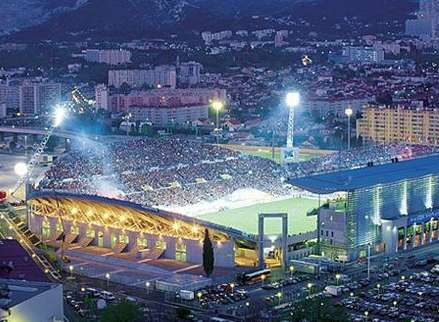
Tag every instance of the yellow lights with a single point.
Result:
(78, 212)
(279, 294)
(199, 295)
(217, 105)
(348, 112)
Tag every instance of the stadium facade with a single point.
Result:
(386, 208)
(116, 228)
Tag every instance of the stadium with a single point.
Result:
(150, 208)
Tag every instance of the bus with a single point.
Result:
(257, 276)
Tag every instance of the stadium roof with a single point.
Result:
(349, 180)
(139, 209)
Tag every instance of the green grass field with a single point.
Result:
(246, 218)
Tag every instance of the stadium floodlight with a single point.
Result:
(348, 112)
(21, 169)
(292, 99)
(59, 115)
(217, 106)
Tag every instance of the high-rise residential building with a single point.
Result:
(38, 97)
(108, 56)
(101, 96)
(190, 73)
(9, 94)
(364, 54)
(160, 76)
(399, 124)
(3, 111)
(165, 97)
(427, 20)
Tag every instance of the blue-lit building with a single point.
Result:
(391, 207)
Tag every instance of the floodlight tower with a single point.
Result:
(25, 171)
(289, 153)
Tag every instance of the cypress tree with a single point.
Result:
(208, 258)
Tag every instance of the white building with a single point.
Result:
(426, 23)
(363, 55)
(102, 96)
(3, 111)
(37, 97)
(30, 301)
(162, 76)
(108, 56)
(162, 116)
(321, 107)
(190, 73)
(9, 94)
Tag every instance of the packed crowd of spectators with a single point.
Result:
(164, 172)
(359, 157)
(178, 172)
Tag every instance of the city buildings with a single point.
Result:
(426, 23)
(25, 291)
(30, 96)
(108, 56)
(38, 97)
(30, 301)
(388, 213)
(399, 124)
(160, 76)
(163, 116)
(364, 54)
(163, 97)
(190, 73)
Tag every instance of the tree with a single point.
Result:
(208, 257)
(123, 312)
(318, 310)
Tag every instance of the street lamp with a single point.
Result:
(291, 270)
(217, 106)
(232, 286)
(348, 113)
(337, 277)
(309, 286)
(71, 271)
(279, 296)
(199, 295)
(147, 284)
(107, 276)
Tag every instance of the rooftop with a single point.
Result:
(21, 291)
(16, 263)
(349, 180)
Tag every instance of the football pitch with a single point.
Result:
(246, 218)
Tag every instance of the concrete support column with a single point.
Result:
(284, 239)
(405, 238)
(414, 236)
(261, 241)
(423, 233)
